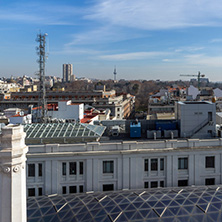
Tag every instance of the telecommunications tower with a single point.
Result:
(41, 39)
(115, 73)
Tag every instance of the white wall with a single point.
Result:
(67, 110)
(218, 92)
(192, 115)
(12, 174)
(128, 160)
(192, 91)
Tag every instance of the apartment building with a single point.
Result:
(120, 106)
(67, 72)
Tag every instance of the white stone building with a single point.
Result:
(60, 168)
(165, 162)
(68, 110)
(8, 87)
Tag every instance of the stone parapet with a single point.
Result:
(13, 174)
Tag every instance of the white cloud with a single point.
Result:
(40, 13)
(203, 60)
(18, 17)
(216, 40)
(189, 49)
(76, 51)
(133, 56)
(158, 14)
(102, 35)
(171, 60)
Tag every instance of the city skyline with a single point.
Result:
(143, 39)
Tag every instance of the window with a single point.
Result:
(183, 163)
(40, 169)
(31, 170)
(210, 181)
(182, 183)
(81, 188)
(146, 184)
(154, 164)
(210, 162)
(80, 168)
(72, 189)
(146, 165)
(154, 184)
(31, 192)
(161, 183)
(209, 131)
(72, 168)
(108, 166)
(161, 164)
(64, 190)
(40, 191)
(108, 187)
(63, 169)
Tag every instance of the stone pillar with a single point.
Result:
(13, 174)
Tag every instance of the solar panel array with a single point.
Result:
(161, 204)
(61, 130)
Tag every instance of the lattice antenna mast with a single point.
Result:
(115, 73)
(41, 39)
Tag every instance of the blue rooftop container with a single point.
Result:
(135, 129)
(166, 125)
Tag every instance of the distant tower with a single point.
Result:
(41, 38)
(67, 72)
(115, 73)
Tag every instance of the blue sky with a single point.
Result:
(144, 39)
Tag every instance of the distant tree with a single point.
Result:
(136, 88)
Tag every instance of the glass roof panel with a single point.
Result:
(152, 214)
(50, 209)
(62, 130)
(109, 206)
(217, 205)
(214, 216)
(137, 216)
(129, 214)
(144, 212)
(212, 209)
(169, 212)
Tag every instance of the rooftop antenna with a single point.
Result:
(41, 39)
(115, 73)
